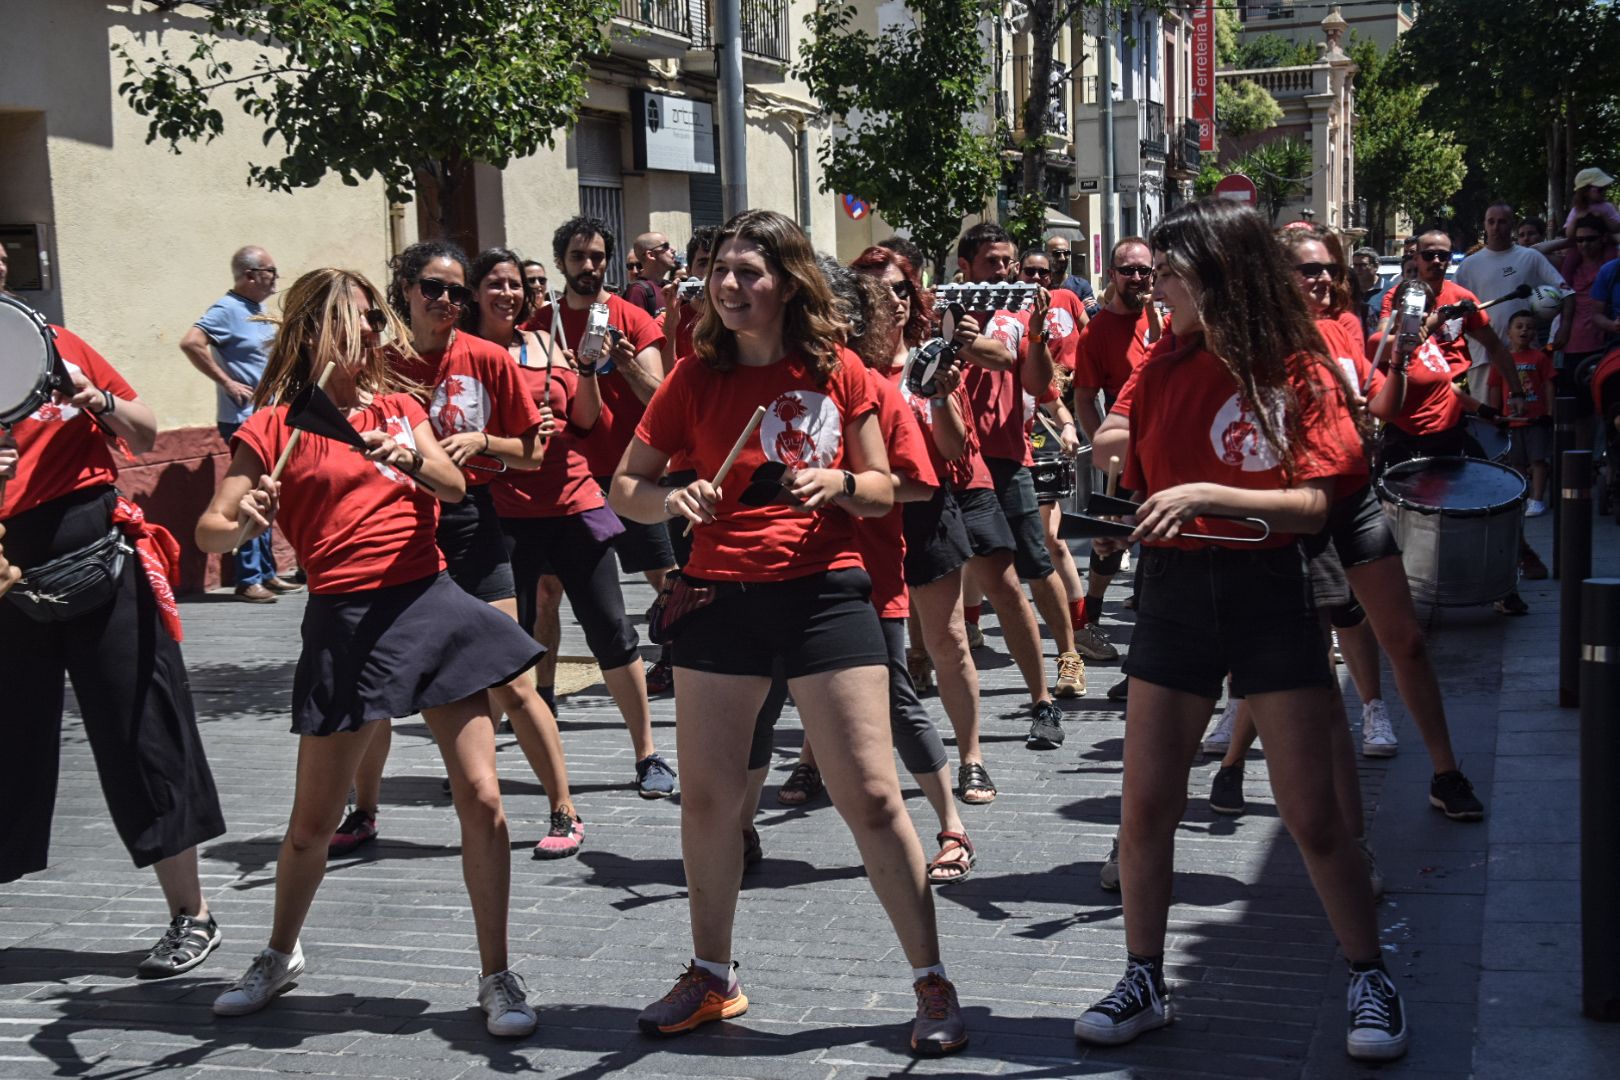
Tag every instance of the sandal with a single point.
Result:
(803, 784)
(944, 870)
(973, 784)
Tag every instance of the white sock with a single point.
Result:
(719, 971)
(282, 956)
(923, 973)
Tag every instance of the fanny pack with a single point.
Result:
(677, 602)
(74, 584)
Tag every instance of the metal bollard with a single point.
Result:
(1564, 422)
(1575, 474)
(1600, 798)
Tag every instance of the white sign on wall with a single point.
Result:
(675, 134)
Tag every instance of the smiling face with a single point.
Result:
(1131, 275)
(1036, 269)
(747, 291)
(439, 315)
(500, 296)
(1313, 281)
(1179, 294)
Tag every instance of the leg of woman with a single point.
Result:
(1381, 587)
(628, 686)
(939, 607)
(846, 713)
(548, 632)
(1243, 736)
(378, 737)
(1291, 723)
(995, 576)
(177, 877)
(535, 727)
(465, 732)
(1058, 549)
(1360, 650)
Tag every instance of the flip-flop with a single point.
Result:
(945, 871)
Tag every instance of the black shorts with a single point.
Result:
(936, 539)
(1329, 589)
(642, 547)
(474, 550)
(1348, 615)
(1359, 529)
(820, 622)
(1015, 490)
(986, 528)
(1530, 444)
(1208, 612)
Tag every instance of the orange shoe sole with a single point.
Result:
(714, 1007)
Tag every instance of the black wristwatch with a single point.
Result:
(849, 483)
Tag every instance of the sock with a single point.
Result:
(1366, 966)
(719, 971)
(1093, 610)
(970, 612)
(1077, 613)
(1155, 966)
(548, 694)
(663, 655)
(923, 973)
(284, 956)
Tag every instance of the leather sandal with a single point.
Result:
(802, 785)
(972, 784)
(944, 870)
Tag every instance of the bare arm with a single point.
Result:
(643, 371)
(132, 420)
(195, 344)
(1086, 411)
(1300, 509)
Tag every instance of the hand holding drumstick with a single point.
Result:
(258, 506)
(696, 502)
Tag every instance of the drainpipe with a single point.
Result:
(804, 177)
(733, 129)
(1105, 110)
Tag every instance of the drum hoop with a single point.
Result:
(41, 392)
(1404, 503)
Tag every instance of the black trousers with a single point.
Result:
(131, 684)
(564, 546)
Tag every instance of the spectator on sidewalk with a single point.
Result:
(1364, 288)
(1059, 253)
(657, 258)
(230, 344)
(1496, 270)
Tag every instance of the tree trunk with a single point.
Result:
(1037, 105)
(447, 204)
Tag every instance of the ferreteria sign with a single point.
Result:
(672, 133)
(1203, 73)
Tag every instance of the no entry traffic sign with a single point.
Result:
(1238, 188)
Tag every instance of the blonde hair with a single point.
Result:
(319, 324)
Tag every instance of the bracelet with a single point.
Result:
(110, 403)
(416, 460)
(485, 434)
(667, 497)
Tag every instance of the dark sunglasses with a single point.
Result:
(632, 266)
(901, 290)
(1134, 271)
(1317, 269)
(1435, 256)
(433, 289)
(376, 319)
(1058, 254)
(1030, 271)
(1589, 239)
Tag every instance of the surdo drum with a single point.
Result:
(1458, 523)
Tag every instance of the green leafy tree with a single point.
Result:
(1280, 170)
(905, 144)
(1244, 107)
(1228, 35)
(1209, 174)
(1272, 50)
(1404, 164)
(410, 91)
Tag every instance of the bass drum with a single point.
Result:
(1458, 522)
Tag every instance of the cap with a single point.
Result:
(1592, 178)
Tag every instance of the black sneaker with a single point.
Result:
(1046, 729)
(1512, 604)
(1226, 791)
(1135, 1006)
(1377, 1018)
(1118, 691)
(1452, 793)
(185, 944)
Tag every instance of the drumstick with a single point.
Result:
(725, 466)
(286, 453)
(1113, 477)
(556, 319)
(1047, 424)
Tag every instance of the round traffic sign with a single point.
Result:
(1238, 188)
(856, 208)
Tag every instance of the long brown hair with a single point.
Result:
(1292, 237)
(1254, 319)
(318, 324)
(810, 323)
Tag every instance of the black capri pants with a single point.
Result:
(133, 694)
(565, 546)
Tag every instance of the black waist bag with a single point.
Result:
(74, 584)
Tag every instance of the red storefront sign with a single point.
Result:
(1203, 73)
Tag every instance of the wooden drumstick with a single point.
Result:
(286, 453)
(1113, 477)
(725, 466)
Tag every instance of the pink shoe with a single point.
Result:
(566, 835)
(358, 828)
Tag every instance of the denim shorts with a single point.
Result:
(1015, 490)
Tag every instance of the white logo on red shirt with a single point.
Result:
(459, 404)
(1059, 323)
(1006, 329)
(51, 412)
(1238, 440)
(802, 430)
(1433, 359)
(919, 405)
(398, 429)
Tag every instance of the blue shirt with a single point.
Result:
(243, 345)
(1606, 290)
(1080, 287)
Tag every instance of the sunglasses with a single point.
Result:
(1435, 256)
(376, 319)
(1317, 269)
(1060, 254)
(1589, 239)
(538, 284)
(901, 290)
(433, 289)
(1134, 271)
(658, 248)
(1031, 271)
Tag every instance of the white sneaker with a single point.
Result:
(506, 1012)
(1377, 735)
(1124, 562)
(1534, 508)
(270, 975)
(1219, 739)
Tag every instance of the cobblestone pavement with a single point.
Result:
(1480, 924)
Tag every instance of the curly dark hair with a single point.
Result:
(487, 260)
(580, 225)
(405, 268)
(702, 240)
(873, 261)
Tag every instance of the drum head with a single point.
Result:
(1491, 438)
(25, 360)
(1457, 487)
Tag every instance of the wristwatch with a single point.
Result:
(849, 483)
(1045, 335)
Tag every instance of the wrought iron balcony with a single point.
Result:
(672, 16)
(765, 29)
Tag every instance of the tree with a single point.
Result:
(1244, 107)
(1403, 164)
(411, 91)
(906, 144)
(1280, 170)
(1272, 50)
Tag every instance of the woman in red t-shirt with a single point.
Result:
(1245, 417)
(788, 587)
(122, 655)
(385, 633)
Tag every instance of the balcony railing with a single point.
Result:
(1155, 143)
(673, 16)
(765, 29)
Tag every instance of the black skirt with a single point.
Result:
(398, 650)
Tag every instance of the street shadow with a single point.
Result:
(27, 964)
(667, 877)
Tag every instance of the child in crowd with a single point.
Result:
(1530, 432)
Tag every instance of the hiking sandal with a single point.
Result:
(944, 870)
(802, 785)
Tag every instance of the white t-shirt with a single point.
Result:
(1489, 274)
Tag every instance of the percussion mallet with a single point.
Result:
(725, 466)
(1113, 477)
(286, 454)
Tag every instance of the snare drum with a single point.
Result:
(1492, 438)
(29, 369)
(1053, 472)
(1458, 522)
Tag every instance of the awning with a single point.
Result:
(1057, 219)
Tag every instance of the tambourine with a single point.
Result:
(985, 296)
(925, 364)
(31, 370)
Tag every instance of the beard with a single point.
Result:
(585, 283)
(1136, 300)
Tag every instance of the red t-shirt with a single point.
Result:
(59, 448)
(998, 396)
(1431, 405)
(1110, 348)
(1535, 371)
(698, 413)
(476, 386)
(1450, 338)
(1193, 426)
(968, 470)
(1065, 322)
(355, 524)
(882, 540)
(621, 409)
(1346, 348)
(563, 484)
